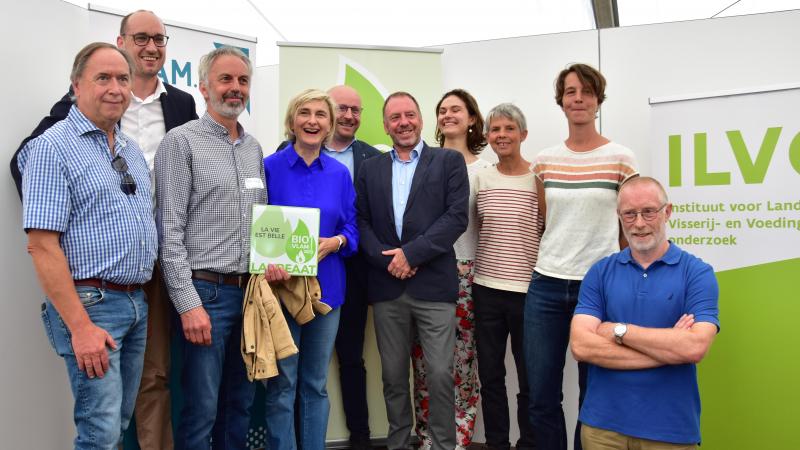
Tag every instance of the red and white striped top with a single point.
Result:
(509, 229)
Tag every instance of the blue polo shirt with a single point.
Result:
(663, 403)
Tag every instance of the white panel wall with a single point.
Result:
(691, 57)
(522, 71)
(265, 95)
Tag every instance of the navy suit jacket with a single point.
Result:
(177, 105)
(435, 216)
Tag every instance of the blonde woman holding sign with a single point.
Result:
(302, 175)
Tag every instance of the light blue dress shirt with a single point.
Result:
(402, 176)
(344, 156)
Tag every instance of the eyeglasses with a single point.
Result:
(648, 214)
(141, 39)
(356, 110)
(128, 184)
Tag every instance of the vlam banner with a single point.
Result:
(187, 44)
(374, 72)
(731, 165)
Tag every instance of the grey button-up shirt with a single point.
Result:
(206, 186)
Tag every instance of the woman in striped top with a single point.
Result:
(509, 230)
(459, 126)
(577, 182)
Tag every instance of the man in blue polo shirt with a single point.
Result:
(88, 214)
(645, 317)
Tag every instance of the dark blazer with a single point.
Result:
(177, 105)
(435, 216)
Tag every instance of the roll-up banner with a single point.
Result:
(730, 162)
(187, 44)
(375, 72)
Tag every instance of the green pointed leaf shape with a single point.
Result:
(371, 129)
(277, 227)
(301, 247)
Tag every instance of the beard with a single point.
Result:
(230, 111)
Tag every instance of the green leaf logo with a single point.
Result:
(372, 96)
(301, 247)
(275, 228)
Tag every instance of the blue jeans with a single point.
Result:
(549, 307)
(104, 406)
(217, 394)
(302, 377)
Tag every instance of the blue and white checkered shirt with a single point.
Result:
(69, 186)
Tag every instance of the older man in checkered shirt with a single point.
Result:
(209, 173)
(88, 213)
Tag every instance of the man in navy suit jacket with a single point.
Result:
(143, 36)
(412, 206)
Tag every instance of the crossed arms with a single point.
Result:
(593, 341)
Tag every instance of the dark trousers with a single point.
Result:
(350, 349)
(499, 313)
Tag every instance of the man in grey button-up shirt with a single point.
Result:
(209, 174)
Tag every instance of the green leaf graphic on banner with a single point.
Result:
(277, 230)
(371, 129)
(300, 247)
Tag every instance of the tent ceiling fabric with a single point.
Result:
(413, 23)
(420, 23)
(640, 12)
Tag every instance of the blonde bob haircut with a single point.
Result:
(309, 95)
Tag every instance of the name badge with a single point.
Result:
(253, 183)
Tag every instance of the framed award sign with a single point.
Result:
(286, 236)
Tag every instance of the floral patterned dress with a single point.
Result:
(465, 366)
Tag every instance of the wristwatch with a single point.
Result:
(341, 242)
(619, 332)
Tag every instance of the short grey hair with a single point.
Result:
(82, 59)
(637, 180)
(208, 60)
(509, 111)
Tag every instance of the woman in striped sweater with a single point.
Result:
(509, 230)
(577, 181)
